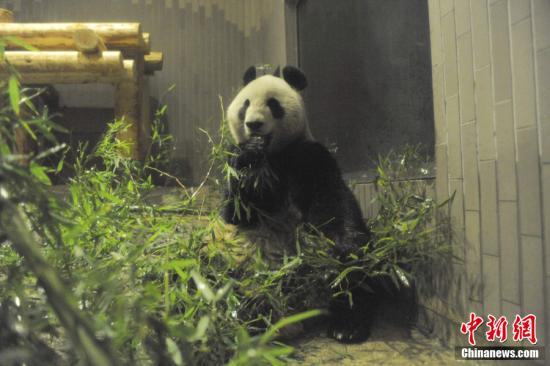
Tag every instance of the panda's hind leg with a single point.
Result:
(352, 324)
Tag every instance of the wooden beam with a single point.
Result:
(59, 36)
(144, 118)
(153, 62)
(65, 67)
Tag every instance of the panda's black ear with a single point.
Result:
(294, 77)
(249, 75)
(277, 72)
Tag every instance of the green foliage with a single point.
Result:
(411, 229)
(173, 285)
(156, 285)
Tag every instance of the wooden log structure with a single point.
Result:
(126, 106)
(65, 67)
(60, 36)
(76, 53)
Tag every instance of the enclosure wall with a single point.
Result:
(491, 82)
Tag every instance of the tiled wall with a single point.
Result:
(491, 85)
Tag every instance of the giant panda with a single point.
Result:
(287, 178)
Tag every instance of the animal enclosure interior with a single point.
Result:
(118, 164)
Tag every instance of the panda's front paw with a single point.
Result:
(257, 143)
(249, 159)
(252, 154)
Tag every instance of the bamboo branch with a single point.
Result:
(59, 297)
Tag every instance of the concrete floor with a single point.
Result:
(387, 346)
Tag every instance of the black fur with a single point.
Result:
(249, 75)
(301, 176)
(242, 111)
(305, 175)
(294, 77)
(277, 111)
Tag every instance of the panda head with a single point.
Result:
(271, 107)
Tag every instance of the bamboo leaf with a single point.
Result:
(270, 333)
(15, 96)
(203, 286)
(40, 173)
(19, 42)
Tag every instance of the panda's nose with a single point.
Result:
(254, 126)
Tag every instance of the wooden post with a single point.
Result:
(144, 117)
(126, 107)
(146, 42)
(22, 143)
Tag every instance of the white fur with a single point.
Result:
(292, 125)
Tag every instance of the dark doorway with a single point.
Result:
(369, 70)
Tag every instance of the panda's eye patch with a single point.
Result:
(242, 111)
(276, 109)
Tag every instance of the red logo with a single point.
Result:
(497, 328)
(471, 327)
(523, 328)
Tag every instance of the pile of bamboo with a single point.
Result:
(77, 53)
